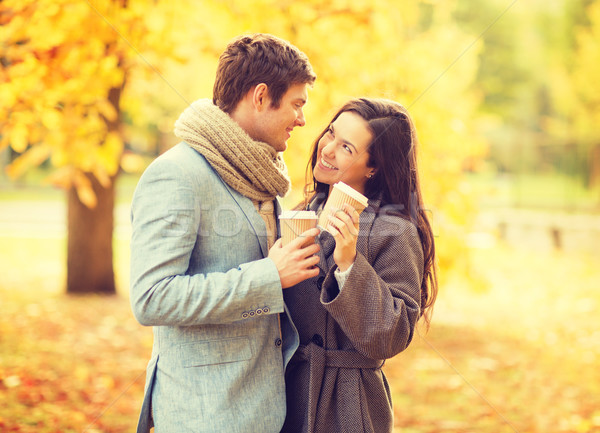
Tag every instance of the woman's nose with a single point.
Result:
(329, 148)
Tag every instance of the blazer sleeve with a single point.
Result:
(166, 219)
(379, 304)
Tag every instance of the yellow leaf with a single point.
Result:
(4, 142)
(81, 373)
(132, 163)
(102, 177)
(85, 192)
(59, 157)
(8, 96)
(106, 381)
(51, 118)
(32, 158)
(18, 138)
(107, 110)
(62, 177)
(110, 152)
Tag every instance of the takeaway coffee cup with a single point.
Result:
(341, 194)
(295, 222)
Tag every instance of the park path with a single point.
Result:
(540, 230)
(537, 229)
(48, 219)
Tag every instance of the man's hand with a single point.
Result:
(294, 262)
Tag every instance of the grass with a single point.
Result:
(519, 354)
(33, 188)
(513, 347)
(535, 190)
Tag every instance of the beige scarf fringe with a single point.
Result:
(253, 168)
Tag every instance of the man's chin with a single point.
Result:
(281, 147)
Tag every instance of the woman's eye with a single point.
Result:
(347, 148)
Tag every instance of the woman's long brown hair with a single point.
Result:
(393, 153)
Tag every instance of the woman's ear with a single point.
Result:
(371, 173)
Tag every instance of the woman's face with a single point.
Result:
(342, 152)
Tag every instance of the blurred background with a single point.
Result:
(505, 96)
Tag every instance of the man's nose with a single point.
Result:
(300, 119)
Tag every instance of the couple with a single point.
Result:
(250, 335)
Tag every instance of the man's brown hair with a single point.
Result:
(259, 58)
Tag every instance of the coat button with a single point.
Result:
(278, 342)
(320, 282)
(259, 311)
(245, 315)
(266, 310)
(318, 340)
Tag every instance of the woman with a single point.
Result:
(377, 274)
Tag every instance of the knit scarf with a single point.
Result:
(253, 168)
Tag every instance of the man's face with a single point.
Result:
(274, 125)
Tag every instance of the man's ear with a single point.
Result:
(260, 97)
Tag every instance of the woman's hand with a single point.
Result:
(343, 225)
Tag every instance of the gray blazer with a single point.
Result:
(199, 276)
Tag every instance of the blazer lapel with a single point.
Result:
(254, 219)
(277, 213)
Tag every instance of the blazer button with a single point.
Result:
(320, 282)
(251, 313)
(278, 342)
(258, 312)
(245, 315)
(266, 310)
(318, 340)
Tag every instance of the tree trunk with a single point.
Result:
(90, 234)
(90, 231)
(594, 166)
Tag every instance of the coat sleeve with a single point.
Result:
(166, 220)
(379, 304)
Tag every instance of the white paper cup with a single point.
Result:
(341, 194)
(295, 222)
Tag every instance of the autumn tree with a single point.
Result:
(586, 115)
(66, 65)
(411, 52)
(537, 76)
(81, 78)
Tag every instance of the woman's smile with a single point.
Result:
(326, 165)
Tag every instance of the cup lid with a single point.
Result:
(298, 214)
(352, 193)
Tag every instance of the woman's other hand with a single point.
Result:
(343, 225)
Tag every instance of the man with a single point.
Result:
(204, 272)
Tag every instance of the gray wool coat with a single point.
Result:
(334, 382)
